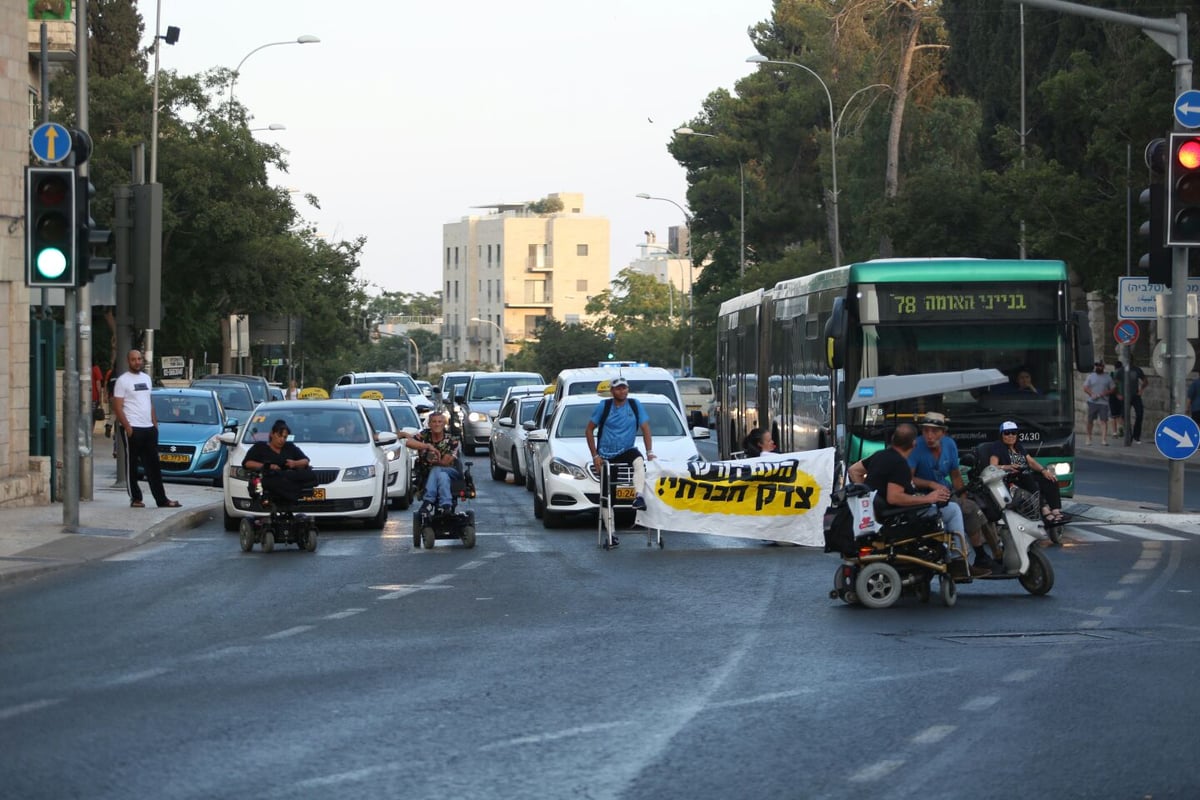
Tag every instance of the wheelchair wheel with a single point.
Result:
(468, 536)
(268, 540)
(877, 585)
(310, 537)
(948, 591)
(246, 534)
(416, 532)
(428, 537)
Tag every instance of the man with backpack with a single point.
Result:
(612, 431)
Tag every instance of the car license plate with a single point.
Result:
(625, 493)
(173, 458)
(317, 494)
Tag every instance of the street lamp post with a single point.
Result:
(503, 355)
(741, 204)
(691, 351)
(305, 39)
(411, 342)
(836, 233)
(274, 126)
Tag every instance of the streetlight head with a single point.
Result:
(476, 319)
(757, 59)
(277, 126)
(684, 131)
(307, 38)
(642, 195)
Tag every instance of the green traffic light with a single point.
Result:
(51, 263)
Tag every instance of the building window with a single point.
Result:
(447, 256)
(537, 256)
(571, 319)
(489, 255)
(533, 325)
(581, 249)
(535, 291)
(497, 254)
(581, 285)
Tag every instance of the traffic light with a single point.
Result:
(1157, 259)
(50, 227)
(1183, 191)
(90, 237)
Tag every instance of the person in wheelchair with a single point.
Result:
(890, 475)
(437, 464)
(285, 469)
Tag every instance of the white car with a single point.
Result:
(399, 481)
(565, 477)
(507, 445)
(342, 449)
(542, 413)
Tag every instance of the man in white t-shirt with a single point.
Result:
(138, 432)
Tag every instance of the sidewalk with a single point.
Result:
(32, 539)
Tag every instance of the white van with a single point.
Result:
(698, 399)
(642, 380)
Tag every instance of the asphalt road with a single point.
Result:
(539, 666)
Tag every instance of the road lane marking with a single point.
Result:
(933, 734)
(1133, 577)
(1100, 611)
(1145, 533)
(1116, 594)
(473, 564)
(979, 703)
(290, 632)
(876, 771)
(349, 612)
(134, 677)
(1019, 675)
(553, 736)
(439, 578)
(25, 708)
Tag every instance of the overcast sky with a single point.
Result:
(407, 114)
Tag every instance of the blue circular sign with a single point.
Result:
(51, 142)
(1177, 437)
(1187, 108)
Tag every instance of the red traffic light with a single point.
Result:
(1189, 154)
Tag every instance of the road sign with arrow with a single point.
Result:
(1177, 437)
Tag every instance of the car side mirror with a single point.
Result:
(700, 433)
(227, 437)
(231, 424)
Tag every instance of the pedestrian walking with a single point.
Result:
(138, 432)
(611, 434)
(1098, 386)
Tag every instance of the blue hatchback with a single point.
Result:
(189, 421)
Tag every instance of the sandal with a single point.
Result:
(172, 504)
(136, 504)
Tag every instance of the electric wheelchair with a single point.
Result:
(284, 524)
(431, 523)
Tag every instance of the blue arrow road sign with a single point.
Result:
(1177, 437)
(1187, 108)
(51, 142)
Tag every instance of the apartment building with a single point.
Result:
(508, 269)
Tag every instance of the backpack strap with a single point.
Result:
(608, 404)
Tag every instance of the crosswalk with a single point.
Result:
(1096, 532)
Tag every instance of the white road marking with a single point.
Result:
(934, 734)
(25, 708)
(349, 612)
(289, 632)
(1019, 676)
(134, 677)
(436, 579)
(399, 593)
(979, 703)
(1145, 533)
(1116, 594)
(1133, 577)
(1100, 611)
(876, 771)
(1079, 534)
(567, 733)
(1090, 623)
(1145, 563)
(473, 564)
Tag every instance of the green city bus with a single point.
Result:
(790, 358)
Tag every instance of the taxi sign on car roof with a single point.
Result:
(313, 393)
(372, 394)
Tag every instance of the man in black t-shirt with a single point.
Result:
(285, 468)
(890, 475)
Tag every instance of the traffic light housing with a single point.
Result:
(1183, 191)
(1157, 259)
(51, 227)
(90, 237)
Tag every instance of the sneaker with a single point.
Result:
(615, 541)
(639, 503)
(447, 509)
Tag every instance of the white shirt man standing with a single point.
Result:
(138, 432)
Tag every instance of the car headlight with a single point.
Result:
(212, 445)
(391, 455)
(559, 466)
(240, 473)
(476, 416)
(1061, 468)
(359, 473)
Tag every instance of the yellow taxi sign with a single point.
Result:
(372, 394)
(313, 393)
(604, 386)
(549, 389)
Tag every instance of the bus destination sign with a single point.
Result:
(937, 303)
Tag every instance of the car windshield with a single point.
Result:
(312, 426)
(404, 415)
(186, 410)
(695, 385)
(378, 416)
(663, 421)
(494, 388)
(258, 389)
(232, 395)
(371, 391)
(638, 385)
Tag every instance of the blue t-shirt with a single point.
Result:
(928, 468)
(620, 429)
